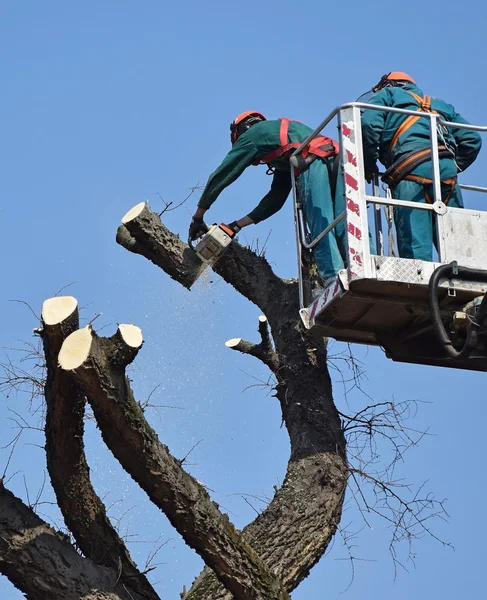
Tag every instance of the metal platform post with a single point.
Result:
(357, 234)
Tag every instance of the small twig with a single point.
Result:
(94, 319)
(251, 506)
(39, 493)
(13, 443)
(28, 306)
(167, 205)
(262, 252)
(64, 288)
(183, 460)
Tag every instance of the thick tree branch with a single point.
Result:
(142, 232)
(293, 532)
(43, 564)
(317, 471)
(135, 444)
(82, 509)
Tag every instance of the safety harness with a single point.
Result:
(402, 168)
(320, 147)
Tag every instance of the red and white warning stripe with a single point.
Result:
(355, 230)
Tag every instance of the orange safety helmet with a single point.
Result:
(389, 79)
(243, 122)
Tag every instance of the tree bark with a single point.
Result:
(296, 528)
(43, 564)
(161, 247)
(83, 511)
(98, 366)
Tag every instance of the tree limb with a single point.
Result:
(82, 509)
(142, 232)
(43, 564)
(98, 366)
(265, 335)
(263, 351)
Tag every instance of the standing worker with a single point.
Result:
(255, 141)
(402, 144)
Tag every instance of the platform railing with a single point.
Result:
(302, 236)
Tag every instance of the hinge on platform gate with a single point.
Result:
(451, 286)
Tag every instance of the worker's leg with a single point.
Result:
(315, 193)
(414, 227)
(456, 200)
(339, 207)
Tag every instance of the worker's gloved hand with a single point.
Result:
(234, 227)
(197, 228)
(371, 170)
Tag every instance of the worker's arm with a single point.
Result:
(373, 123)
(242, 155)
(273, 200)
(468, 143)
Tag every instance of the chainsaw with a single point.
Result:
(213, 243)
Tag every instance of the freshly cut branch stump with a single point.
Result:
(124, 346)
(234, 343)
(58, 310)
(134, 212)
(76, 349)
(264, 351)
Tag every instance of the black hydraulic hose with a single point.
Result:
(467, 273)
(482, 310)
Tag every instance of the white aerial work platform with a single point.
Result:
(411, 308)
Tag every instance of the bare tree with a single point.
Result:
(271, 555)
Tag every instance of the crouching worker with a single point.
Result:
(402, 144)
(255, 140)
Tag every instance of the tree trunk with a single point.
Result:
(83, 511)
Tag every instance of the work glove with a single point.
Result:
(370, 171)
(234, 227)
(197, 228)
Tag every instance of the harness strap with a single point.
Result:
(452, 182)
(321, 146)
(283, 131)
(408, 163)
(424, 106)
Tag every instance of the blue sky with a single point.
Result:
(106, 104)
